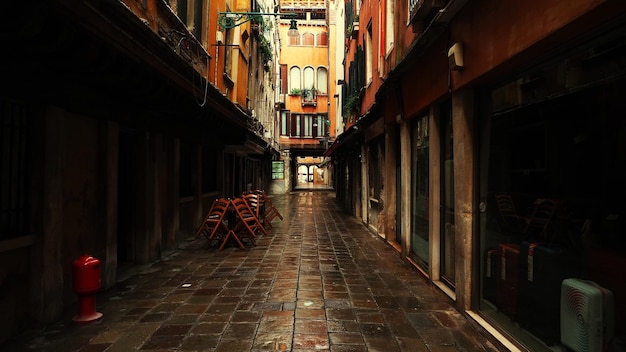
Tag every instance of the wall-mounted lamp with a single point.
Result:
(455, 56)
(228, 20)
(293, 27)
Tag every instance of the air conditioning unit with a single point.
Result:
(586, 315)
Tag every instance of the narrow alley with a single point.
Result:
(319, 281)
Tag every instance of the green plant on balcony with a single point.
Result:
(352, 25)
(309, 95)
(351, 104)
(295, 91)
(265, 50)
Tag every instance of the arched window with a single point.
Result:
(294, 78)
(309, 77)
(322, 80)
(308, 39)
(294, 40)
(322, 39)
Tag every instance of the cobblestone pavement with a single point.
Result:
(319, 281)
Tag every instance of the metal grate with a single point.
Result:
(13, 175)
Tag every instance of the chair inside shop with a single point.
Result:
(510, 220)
(542, 214)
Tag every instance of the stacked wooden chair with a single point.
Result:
(254, 201)
(269, 210)
(238, 219)
(248, 225)
(214, 226)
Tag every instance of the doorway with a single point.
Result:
(128, 172)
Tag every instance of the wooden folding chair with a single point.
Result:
(254, 202)
(270, 212)
(247, 223)
(213, 226)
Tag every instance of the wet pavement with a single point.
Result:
(320, 281)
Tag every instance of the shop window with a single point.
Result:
(448, 210)
(420, 210)
(376, 193)
(553, 200)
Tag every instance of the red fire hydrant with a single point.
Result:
(86, 279)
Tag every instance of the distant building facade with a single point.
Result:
(308, 110)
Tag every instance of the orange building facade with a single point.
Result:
(307, 116)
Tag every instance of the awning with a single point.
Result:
(342, 140)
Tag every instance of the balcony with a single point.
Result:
(303, 4)
(309, 97)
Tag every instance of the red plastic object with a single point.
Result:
(86, 280)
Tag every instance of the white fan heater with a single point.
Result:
(586, 315)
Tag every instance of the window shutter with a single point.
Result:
(284, 79)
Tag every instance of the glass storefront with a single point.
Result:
(376, 165)
(552, 245)
(420, 212)
(448, 227)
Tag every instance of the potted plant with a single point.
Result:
(351, 103)
(295, 91)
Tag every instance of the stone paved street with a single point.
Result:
(319, 281)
